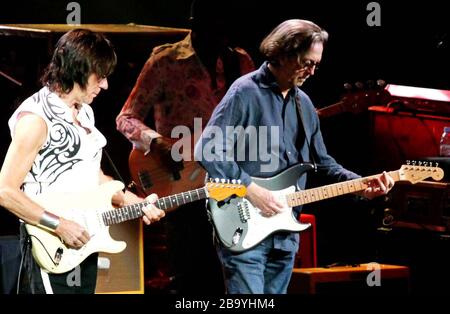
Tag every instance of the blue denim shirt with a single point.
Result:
(268, 137)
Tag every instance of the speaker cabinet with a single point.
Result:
(123, 272)
(307, 253)
(398, 136)
(423, 206)
(349, 280)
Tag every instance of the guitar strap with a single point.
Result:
(299, 109)
(114, 168)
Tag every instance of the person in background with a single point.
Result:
(56, 148)
(179, 82)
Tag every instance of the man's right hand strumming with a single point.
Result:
(73, 234)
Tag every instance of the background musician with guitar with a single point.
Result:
(56, 148)
(179, 82)
(288, 132)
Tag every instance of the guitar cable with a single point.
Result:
(19, 275)
(26, 245)
(48, 253)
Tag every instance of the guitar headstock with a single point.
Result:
(358, 98)
(222, 189)
(415, 173)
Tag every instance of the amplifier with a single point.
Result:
(363, 279)
(424, 205)
(399, 136)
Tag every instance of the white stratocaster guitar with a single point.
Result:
(94, 211)
(240, 225)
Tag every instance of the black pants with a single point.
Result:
(77, 281)
(192, 255)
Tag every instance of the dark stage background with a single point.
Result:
(409, 48)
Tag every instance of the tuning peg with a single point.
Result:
(348, 87)
(359, 85)
(381, 83)
(370, 84)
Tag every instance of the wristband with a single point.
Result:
(49, 221)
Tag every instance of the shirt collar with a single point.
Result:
(265, 78)
(64, 111)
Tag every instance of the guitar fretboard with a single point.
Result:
(134, 211)
(333, 190)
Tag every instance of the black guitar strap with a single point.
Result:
(114, 168)
(299, 109)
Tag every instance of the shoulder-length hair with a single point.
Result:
(78, 54)
(291, 37)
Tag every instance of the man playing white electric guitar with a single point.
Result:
(57, 148)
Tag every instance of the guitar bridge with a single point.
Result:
(244, 212)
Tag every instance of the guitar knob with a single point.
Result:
(223, 181)
(239, 181)
(233, 181)
(216, 180)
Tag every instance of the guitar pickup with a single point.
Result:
(145, 180)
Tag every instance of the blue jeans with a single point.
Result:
(260, 270)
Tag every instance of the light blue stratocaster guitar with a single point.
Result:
(240, 226)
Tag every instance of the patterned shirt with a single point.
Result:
(70, 158)
(177, 87)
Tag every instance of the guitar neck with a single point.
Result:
(333, 190)
(135, 211)
(331, 110)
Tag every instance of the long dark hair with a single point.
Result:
(78, 54)
(292, 37)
